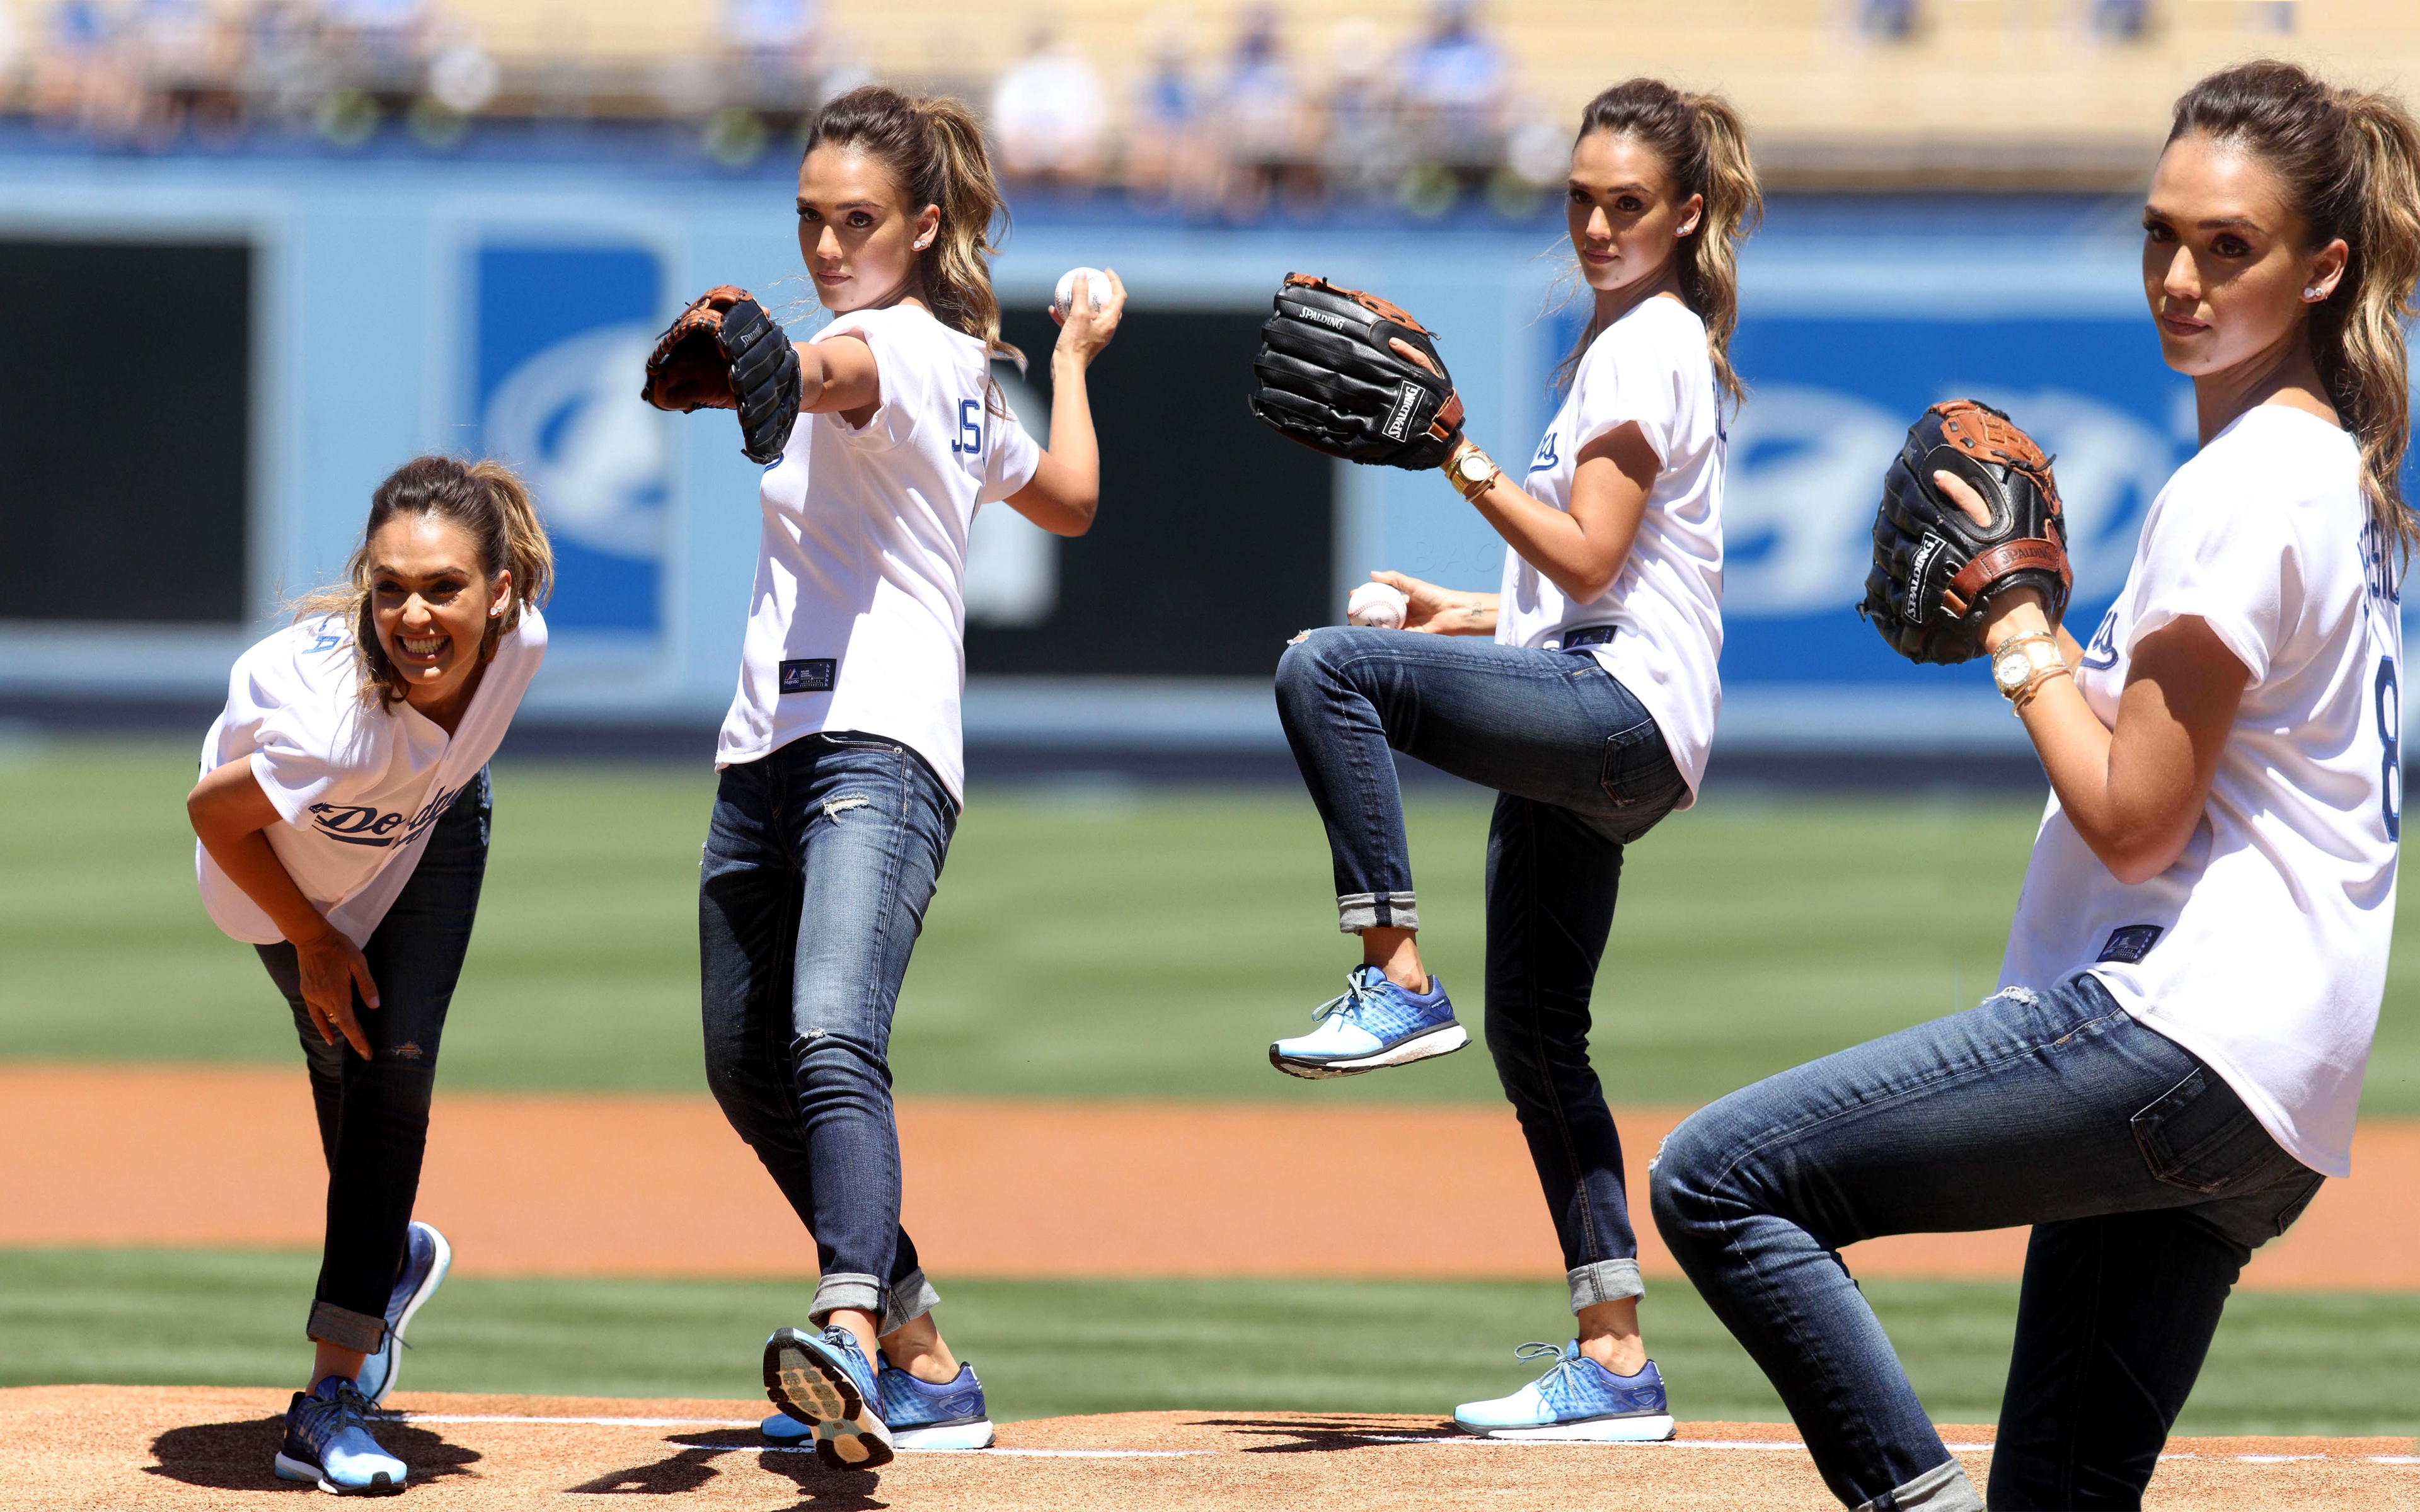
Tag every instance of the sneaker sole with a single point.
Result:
(1648, 1429)
(411, 1306)
(805, 1385)
(976, 1435)
(1444, 1041)
(289, 1468)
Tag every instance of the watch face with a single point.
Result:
(2010, 668)
(1474, 468)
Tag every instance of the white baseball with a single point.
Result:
(1097, 291)
(1379, 606)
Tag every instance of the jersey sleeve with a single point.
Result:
(900, 372)
(1622, 381)
(1012, 457)
(2226, 557)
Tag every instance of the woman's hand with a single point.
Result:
(332, 967)
(1434, 610)
(230, 816)
(2021, 611)
(1084, 330)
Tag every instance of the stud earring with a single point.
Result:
(2311, 293)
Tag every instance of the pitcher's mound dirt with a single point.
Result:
(140, 1446)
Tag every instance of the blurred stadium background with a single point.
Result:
(252, 256)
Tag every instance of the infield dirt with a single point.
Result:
(597, 1185)
(121, 1447)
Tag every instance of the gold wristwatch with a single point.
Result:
(2024, 663)
(1473, 471)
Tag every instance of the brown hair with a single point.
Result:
(1704, 148)
(487, 499)
(2348, 161)
(935, 149)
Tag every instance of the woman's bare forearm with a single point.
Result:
(226, 808)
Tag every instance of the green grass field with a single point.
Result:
(1089, 941)
(2282, 1363)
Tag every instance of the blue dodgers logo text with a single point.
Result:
(355, 824)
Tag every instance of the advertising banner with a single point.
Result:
(562, 333)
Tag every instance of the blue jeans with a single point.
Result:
(1580, 770)
(2146, 1179)
(374, 1113)
(820, 863)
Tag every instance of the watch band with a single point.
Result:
(2042, 653)
(1470, 492)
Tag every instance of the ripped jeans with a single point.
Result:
(2147, 1180)
(374, 1114)
(820, 863)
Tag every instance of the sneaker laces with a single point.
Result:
(1349, 1004)
(1539, 1350)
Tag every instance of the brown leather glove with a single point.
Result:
(725, 353)
(1936, 572)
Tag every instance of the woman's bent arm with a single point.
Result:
(1065, 488)
(230, 814)
(1582, 550)
(2136, 792)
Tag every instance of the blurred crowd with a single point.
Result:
(1358, 114)
(1248, 118)
(1230, 117)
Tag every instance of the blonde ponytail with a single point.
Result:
(2348, 162)
(1704, 146)
(490, 503)
(2378, 310)
(935, 150)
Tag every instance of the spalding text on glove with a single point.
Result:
(1327, 377)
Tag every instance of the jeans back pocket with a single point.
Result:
(2198, 1135)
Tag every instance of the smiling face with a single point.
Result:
(1627, 218)
(856, 231)
(2224, 264)
(433, 602)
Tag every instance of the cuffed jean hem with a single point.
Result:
(1357, 911)
(1943, 1488)
(345, 1328)
(911, 1298)
(843, 1288)
(1605, 1281)
(898, 1305)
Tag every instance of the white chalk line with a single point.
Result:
(787, 1448)
(1458, 1441)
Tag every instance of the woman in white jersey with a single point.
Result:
(1589, 710)
(2193, 977)
(840, 760)
(342, 818)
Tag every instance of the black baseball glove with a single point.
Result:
(1325, 377)
(1936, 572)
(723, 354)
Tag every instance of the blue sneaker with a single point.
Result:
(920, 1416)
(823, 1380)
(426, 1259)
(1577, 1400)
(1373, 1023)
(328, 1443)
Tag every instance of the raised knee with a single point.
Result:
(1685, 1171)
(1306, 663)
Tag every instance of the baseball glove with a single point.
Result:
(1936, 572)
(1325, 377)
(725, 353)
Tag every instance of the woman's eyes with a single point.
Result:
(859, 219)
(2231, 247)
(2153, 231)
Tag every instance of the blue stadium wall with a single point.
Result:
(398, 305)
